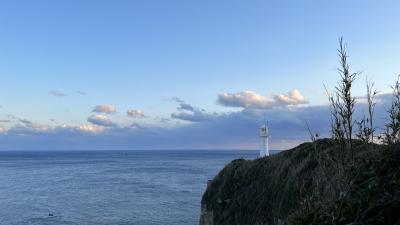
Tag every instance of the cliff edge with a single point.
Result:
(310, 184)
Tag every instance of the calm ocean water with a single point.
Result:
(107, 187)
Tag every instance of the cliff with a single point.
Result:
(310, 184)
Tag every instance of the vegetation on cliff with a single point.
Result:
(307, 185)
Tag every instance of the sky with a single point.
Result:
(88, 75)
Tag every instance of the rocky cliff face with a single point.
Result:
(307, 185)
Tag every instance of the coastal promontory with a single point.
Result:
(309, 184)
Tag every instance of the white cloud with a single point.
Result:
(33, 128)
(36, 129)
(105, 108)
(90, 128)
(246, 99)
(101, 120)
(135, 113)
(253, 100)
(41, 127)
(291, 98)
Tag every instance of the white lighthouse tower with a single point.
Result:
(264, 135)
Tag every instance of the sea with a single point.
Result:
(107, 187)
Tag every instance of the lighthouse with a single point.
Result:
(264, 136)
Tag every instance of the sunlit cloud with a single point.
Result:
(291, 98)
(100, 120)
(253, 100)
(246, 99)
(91, 128)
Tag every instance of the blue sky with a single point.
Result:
(61, 59)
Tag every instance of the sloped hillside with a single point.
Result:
(310, 184)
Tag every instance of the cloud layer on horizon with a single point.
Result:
(235, 130)
(200, 128)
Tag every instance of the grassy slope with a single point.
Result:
(307, 185)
